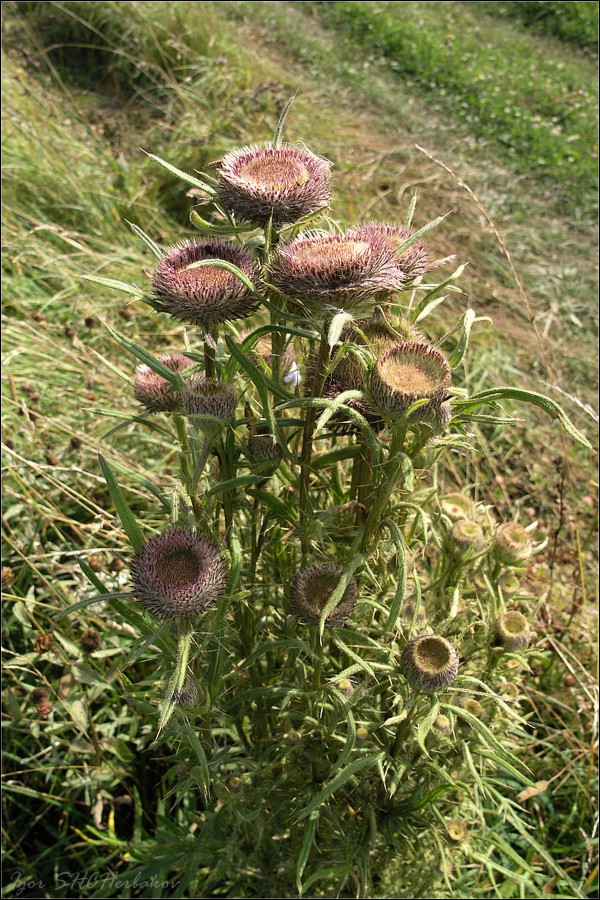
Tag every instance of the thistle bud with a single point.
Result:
(208, 294)
(188, 695)
(472, 706)
(511, 630)
(362, 736)
(178, 574)
(312, 589)
(210, 398)
(512, 545)
(457, 506)
(429, 663)
(465, 538)
(457, 831)
(442, 725)
(508, 584)
(275, 183)
(407, 372)
(263, 451)
(153, 391)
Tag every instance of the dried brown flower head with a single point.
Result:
(429, 663)
(407, 372)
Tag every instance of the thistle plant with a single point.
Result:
(328, 619)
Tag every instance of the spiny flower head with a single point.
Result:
(472, 706)
(188, 694)
(328, 272)
(511, 630)
(512, 545)
(155, 392)
(280, 183)
(412, 263)
(349, 373)
(429, 663)
(407, 372)
(178, 574)
(209, 398)
(312, 589)
(207, 294)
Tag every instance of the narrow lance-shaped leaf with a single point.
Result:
(184, 176)
(128, 521)
(148, 359)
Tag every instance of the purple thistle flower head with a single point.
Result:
(208, 294)
(312, 588)
(329, 272)
(279, 183)
(412, 263)
(407, 372)
(429, 663)
(155, 392)
(178, 574)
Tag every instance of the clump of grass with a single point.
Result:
(576, 23)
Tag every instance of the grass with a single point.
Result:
(188, 81)
(540, 114)
(577, 24)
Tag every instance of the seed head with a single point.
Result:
(178, 574)
(325, 273)
(280, 183)
(44, 708)
(38, 694)
(407, 372)
(43, 642)
(429, 663)
(209, 398)
(511, 630)
(8, 577)
(457, 506)
(155, 392)
(90, 640)
(512, 545)
(412, 263)
(312, 588)
(208, 294)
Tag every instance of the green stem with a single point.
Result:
(308, 435)
(404, 726)
(210, 368)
